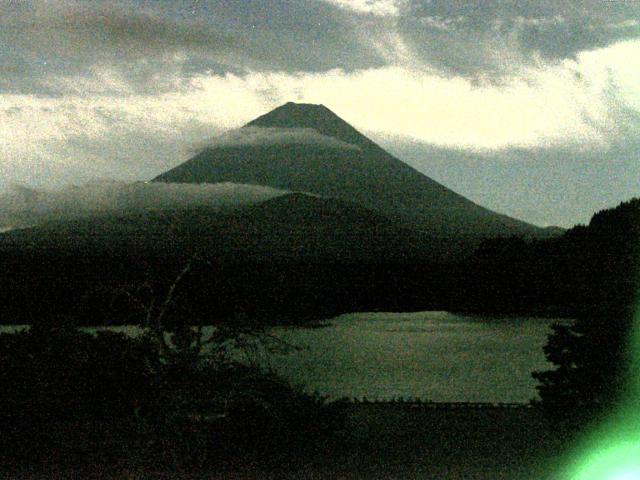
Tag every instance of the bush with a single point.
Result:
(70, 396)
(61, 383)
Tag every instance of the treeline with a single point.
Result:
(585, 268)
(50, 286)
(590, 274)
(588, 268)
(595, 357)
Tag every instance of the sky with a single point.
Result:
(530, 108)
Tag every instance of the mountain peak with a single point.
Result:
(308, 108)
(309, 115)
(303, 105)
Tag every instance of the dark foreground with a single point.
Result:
(382, 440)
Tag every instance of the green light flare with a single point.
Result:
(608, 459)
(612, 451)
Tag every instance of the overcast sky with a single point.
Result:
(531, 108)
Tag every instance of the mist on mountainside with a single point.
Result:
(255, 136)
(22, 206)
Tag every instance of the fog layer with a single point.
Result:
(21, 206)
(264, 136)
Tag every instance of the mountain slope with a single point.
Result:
(366, 175)
(292, 227)
(306, 227)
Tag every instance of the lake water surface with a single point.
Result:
(435, 356)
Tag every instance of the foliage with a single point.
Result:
(177, 393)
(592, 354)
(57, 381)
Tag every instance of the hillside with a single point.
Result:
(587, 269)
(289, 258)
(292, 227)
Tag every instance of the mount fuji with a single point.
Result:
(308, 148)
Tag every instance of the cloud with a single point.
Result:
(440, 23)
(542, 185)
(579, 102)
(151, 46)
(53, 140)
(491, 40)
(77, 138)
(259, 136)
(381, 8)
(22, 206)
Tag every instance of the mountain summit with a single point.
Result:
(360, 172)
(317, 117)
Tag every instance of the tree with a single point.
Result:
(177, 393)
(209, 378)
(184, 333)
(593, 354)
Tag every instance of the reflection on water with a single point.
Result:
(435, 356)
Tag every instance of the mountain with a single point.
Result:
(349, 228)
(351, 167)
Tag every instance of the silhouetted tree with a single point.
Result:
(592, 354)
(209, 368)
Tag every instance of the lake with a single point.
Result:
(437, 356)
